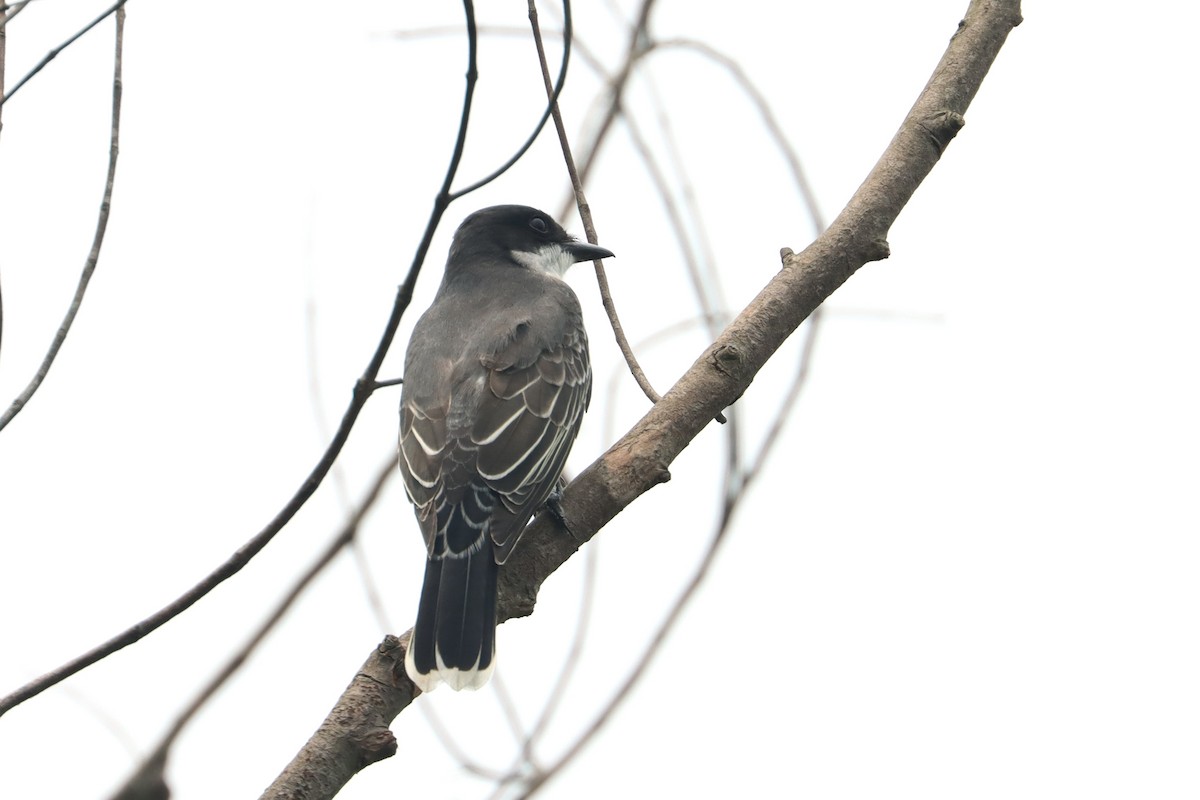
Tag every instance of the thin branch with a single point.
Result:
(535, 782)
(578, 47)
(708, 312)
(653, 339)
(783, 144)
(53, 54)
(443, 31)
(774, 129)
(640, 47)
(550, 106)
(737, 482)
(10, 10)
(574, 654)
(152, 767)
(446, 738)
(770, 122)
(106, 719)
(702, 267)
(363, 388)
(4, 17)
(4, 7)
(585, 214)
(508, 707)
(370, 588)
(639, 35)
(616, 91)
(101, 224)
(539, 779)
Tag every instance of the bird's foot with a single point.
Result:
(554, 506)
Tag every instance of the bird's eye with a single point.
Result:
(538, 224)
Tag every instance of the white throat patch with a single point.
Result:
(551, 259)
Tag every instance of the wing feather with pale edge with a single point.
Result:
(527, 423)
(525, 420)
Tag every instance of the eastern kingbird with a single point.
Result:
(496, 381)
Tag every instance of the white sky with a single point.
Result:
(970, 570)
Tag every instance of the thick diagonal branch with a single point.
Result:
(642, 458)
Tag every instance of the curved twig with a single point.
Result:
(647, 342)
(737, 481)
(579, 636)
(151, 768)
(4, 17)
(53, 54)
(774, 129)
(701, 258)
(708, 311)
(550, 106)
(89, 266)
(585, 214)
(10, 10)
(616, 90)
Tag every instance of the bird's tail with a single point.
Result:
(454, 639)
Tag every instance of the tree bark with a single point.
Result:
(355, 734)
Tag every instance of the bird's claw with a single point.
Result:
(554, 506)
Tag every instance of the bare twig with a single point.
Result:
(535, 782)
(3, 58)
(691, 260)
(774, 129)
(772, 126)
(702, 267)
(582, 628)
(363, 388)
(54, 53)
(4, 17)
(446, 738)
(638, 38)
(539, 779)
(440, 31)
(508, 707)
(737, 482)
(101, 223)
(9, 10)
(370, 589)
(642, 46)
(156, 762)
(645, 343)
(585, 214)
(550, 106)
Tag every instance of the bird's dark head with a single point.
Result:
(520, 234)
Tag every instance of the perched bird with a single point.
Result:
(496, 380)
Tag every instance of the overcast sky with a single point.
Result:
(969, 569)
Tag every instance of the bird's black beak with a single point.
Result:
(582, 251)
